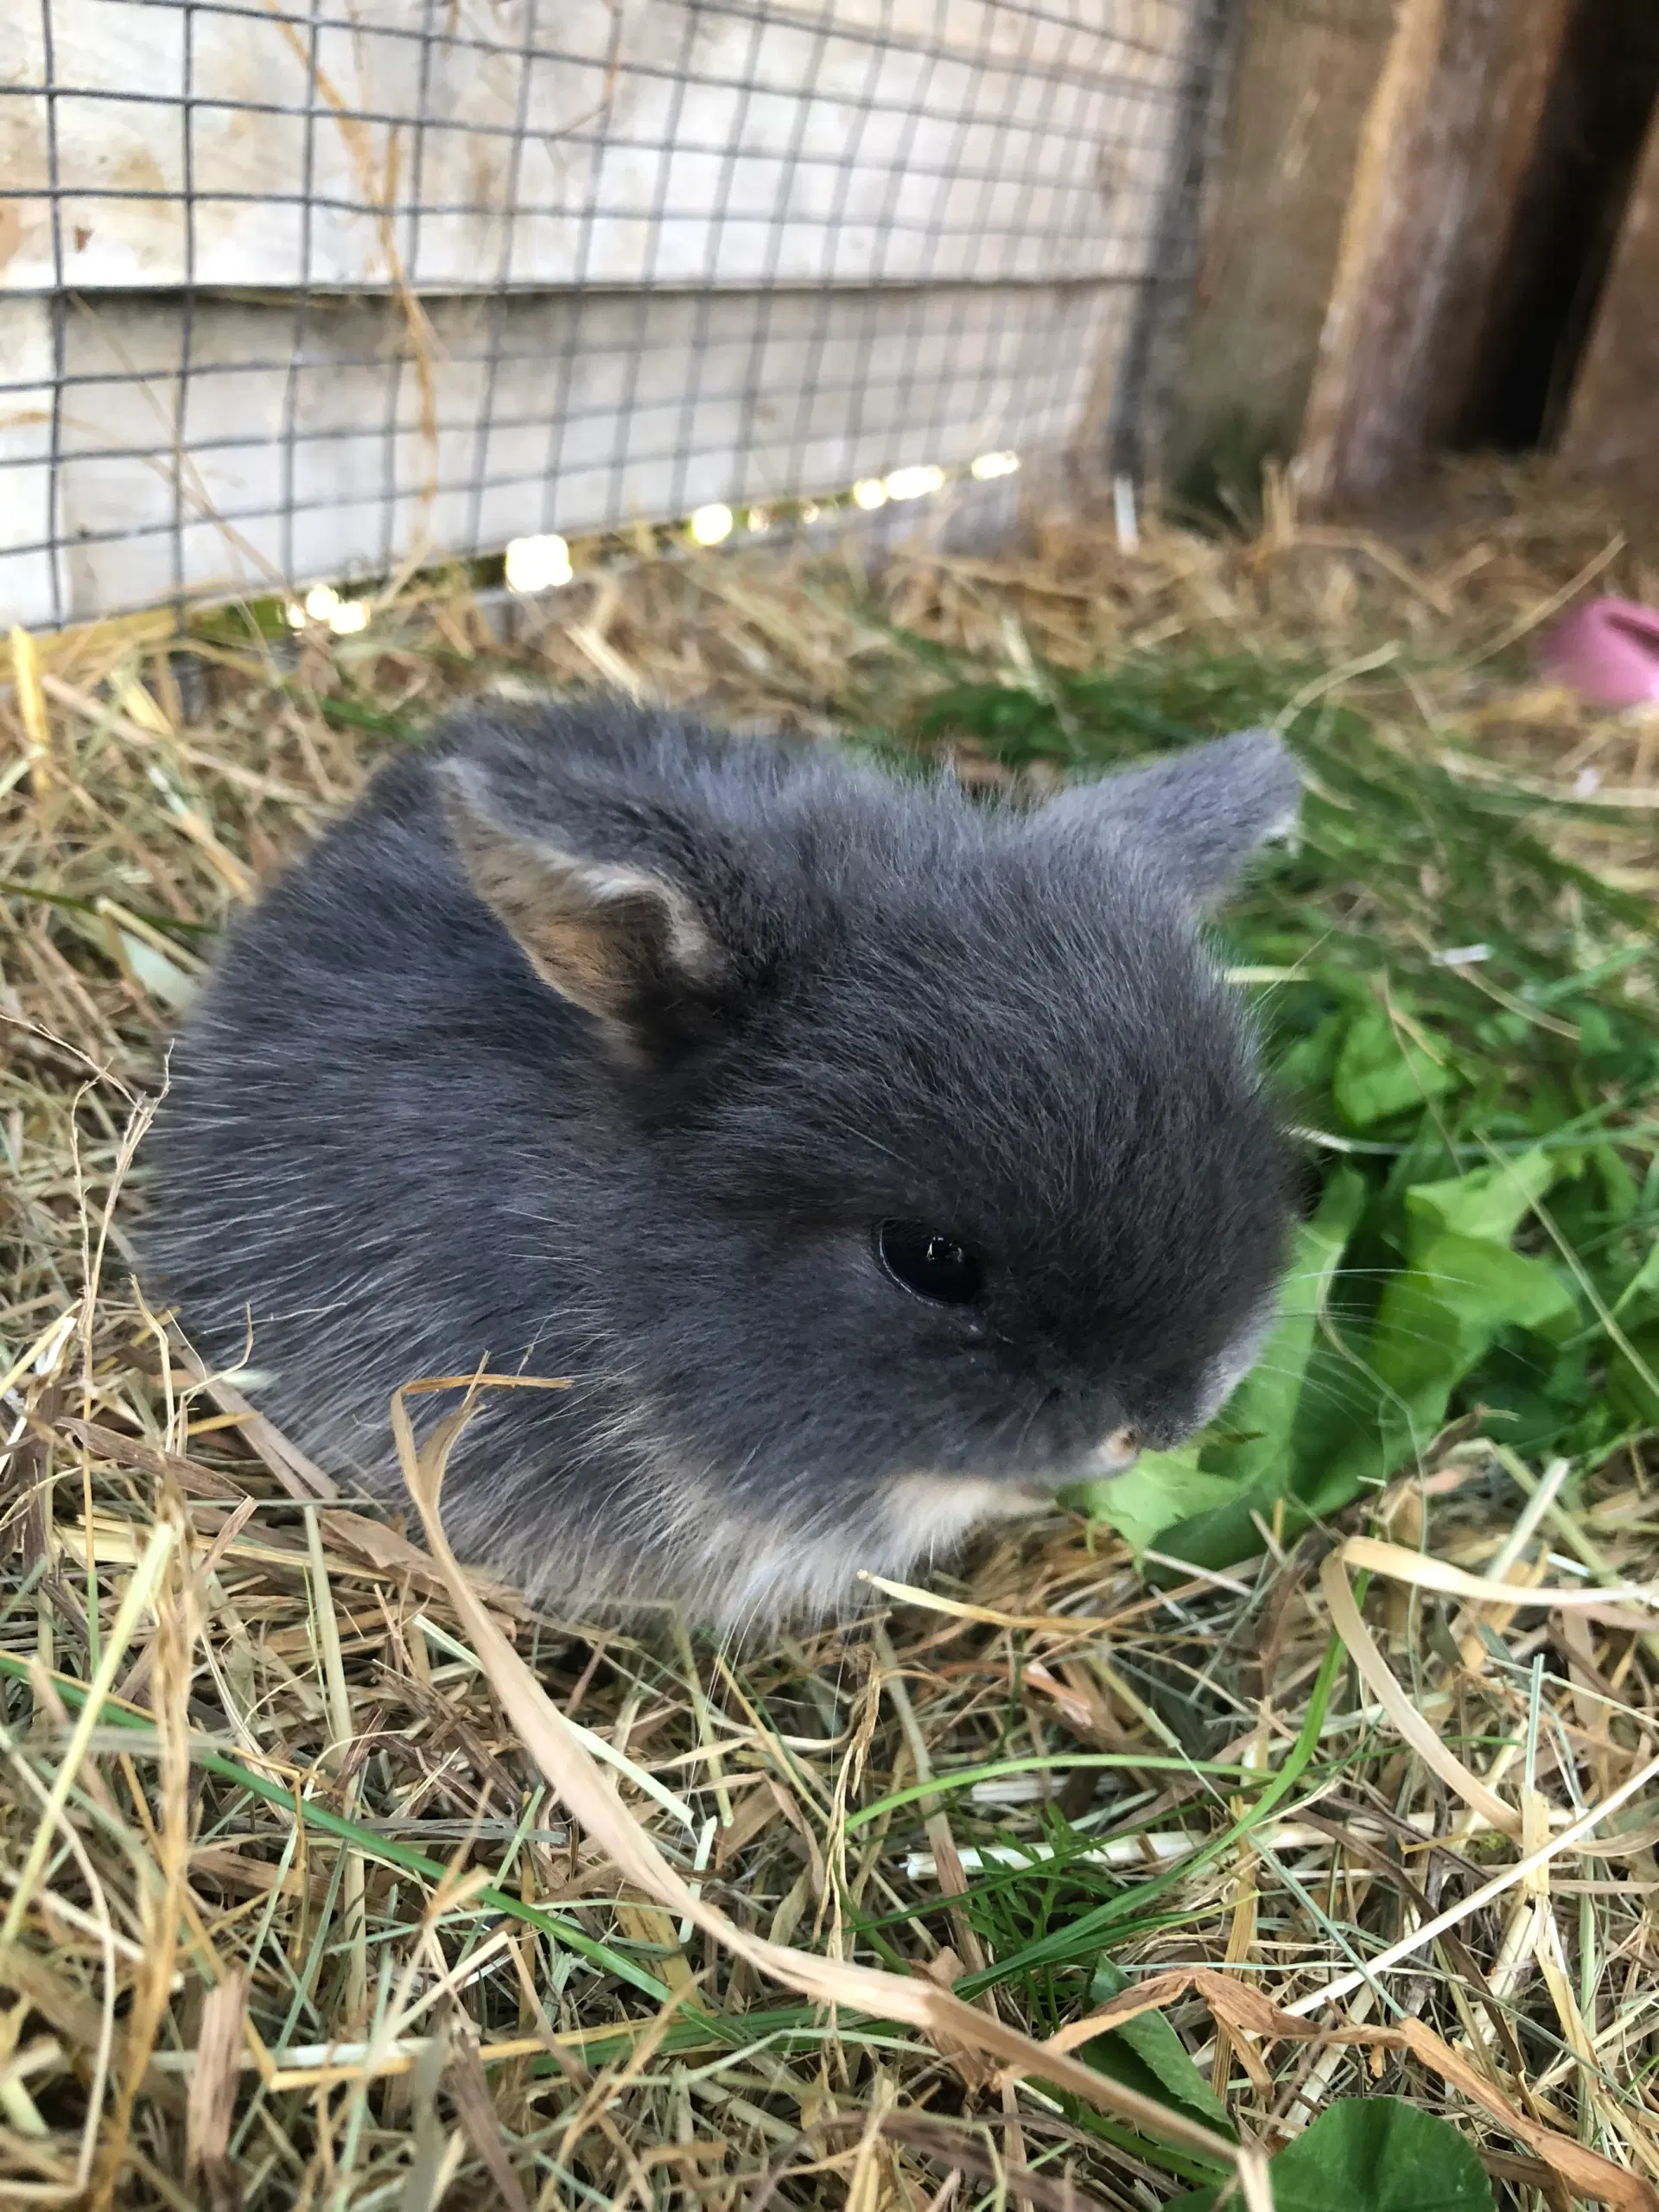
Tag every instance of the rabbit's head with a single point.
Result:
(937, 1167)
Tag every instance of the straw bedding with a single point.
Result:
(309, 1898)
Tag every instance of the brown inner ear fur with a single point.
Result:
(597, 933)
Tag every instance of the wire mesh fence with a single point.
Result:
(303, 291)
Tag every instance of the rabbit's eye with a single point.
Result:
(928, 1264)
(1307, 1187)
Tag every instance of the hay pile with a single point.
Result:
(293, 1912)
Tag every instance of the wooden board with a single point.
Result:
(1447, 142)
(1302, 85)
(316, 449)
(593, 143)
(666, 251)
(1613, 425)
(25, 471)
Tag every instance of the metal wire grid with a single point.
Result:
(299, 293)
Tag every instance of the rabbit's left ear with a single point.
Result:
(1196, 817)
(623, 940)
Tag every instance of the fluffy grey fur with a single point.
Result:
(591, 1045)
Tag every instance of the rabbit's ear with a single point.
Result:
(621, 941)
(1196, 817)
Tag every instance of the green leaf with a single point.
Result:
(1379, 1071)
(1147, 2054)
(1436, 1321)
(1620, 1194)
(1490, 1204)
(1382, 1072)
(1249, 1460)
(1227, 1534)
(1640, 1295)
(1379, 2154)
(1160, 1488)
(1309, 1062)
(1628, 1388)
(1369, 2154)
(1439, 1315)
(1358, 1417)
(1262, 1410)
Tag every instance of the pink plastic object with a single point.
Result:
(1608, 652)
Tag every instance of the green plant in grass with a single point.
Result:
(1363, 2154)
(1147, 2054)
(1369, 2154)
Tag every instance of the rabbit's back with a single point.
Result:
(370, 1082)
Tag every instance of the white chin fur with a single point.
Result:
(923, 1518)
(734, 1576)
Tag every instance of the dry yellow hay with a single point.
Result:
(294, 1909)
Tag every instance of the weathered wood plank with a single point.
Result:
(1303, 83)
(1445, 147)
(317, 448)
(669, 251)
(26, 593)
(604, 143)
(1613, 425)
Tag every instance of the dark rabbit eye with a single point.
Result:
(1307, 1187)
(929, 1265)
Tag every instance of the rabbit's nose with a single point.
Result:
(1118, 1450)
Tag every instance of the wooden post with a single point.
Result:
(1444, 149)
(1302, 81)
(1613, 425)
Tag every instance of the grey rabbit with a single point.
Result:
(871, 1158)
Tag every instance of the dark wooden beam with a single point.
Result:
(1613, 424)
(1444, 148)
(1302, 83)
